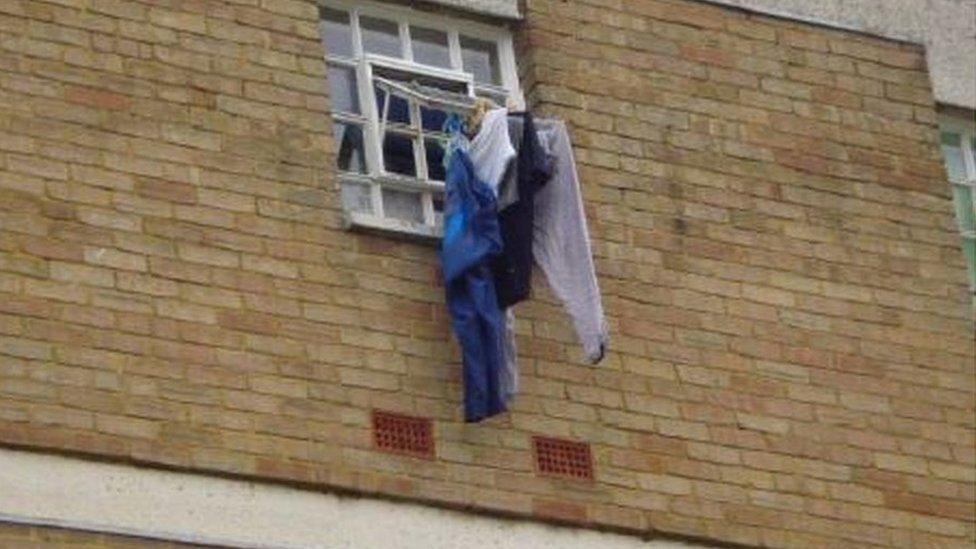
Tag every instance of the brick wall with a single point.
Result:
(21, 536)
(792, 355)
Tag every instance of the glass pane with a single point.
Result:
(969, 250)
(952, 152)
(380, 36)
(399, 110)
(481, 59)
(972, 154)
(336, 31)
(438, 200)
(398, 154)
(403, 205)
(432, 119)
(423, 84)
(342, 86)
(434, 151)
(962, 197)
(356, 198)
(351, 155)
(430, 47)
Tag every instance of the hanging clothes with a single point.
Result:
(532, 168)
(512, 269)
(491, 148)
(471, 238)
(493, 155)
(561, 242)
(508, 378)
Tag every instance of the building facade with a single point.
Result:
(221, 320)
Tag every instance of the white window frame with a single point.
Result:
(964, 125)
(363, 63)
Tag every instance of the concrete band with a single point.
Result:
(72, 493)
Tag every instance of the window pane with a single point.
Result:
(430, 47)
(434, 151)
(962, 197)
(403, 205)
(438, 200)
(481, 59)
(969, 251)
(952, 152)
(398, 154)
(356, 198)
(336, 31)
(343, 90)
(380, 36)
(972, 152)
(432, 119)
(351, 155)
(399, 110)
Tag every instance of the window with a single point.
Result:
(958, 139)
(385, 63)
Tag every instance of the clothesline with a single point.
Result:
(423, 94)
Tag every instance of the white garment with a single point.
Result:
(561, 242)
(509, 379)
(491, 150)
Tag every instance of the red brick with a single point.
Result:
(249, 322)
(100, 99)
(559, 510)
(172, 191)
(930, 506)
(53, 249)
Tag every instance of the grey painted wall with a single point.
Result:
(946, 27)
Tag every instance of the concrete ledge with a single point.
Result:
(72, 493)
(497, 8)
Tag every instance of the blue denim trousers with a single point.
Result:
(479, 327)
(471, 238)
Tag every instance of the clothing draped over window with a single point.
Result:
(512, 200)
(471, 238)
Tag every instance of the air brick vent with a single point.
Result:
(402, 434)
(563, 458)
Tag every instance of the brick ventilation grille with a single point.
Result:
(563, 458)
(403, 434)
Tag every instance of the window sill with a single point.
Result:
(358, 221)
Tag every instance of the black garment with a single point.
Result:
(350, 158)
(513, 268)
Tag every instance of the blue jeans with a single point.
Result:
(480, 328)
(471, 239)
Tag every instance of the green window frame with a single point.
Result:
(957, 138)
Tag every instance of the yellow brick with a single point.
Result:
(178, 20)
(126, 426)
(790, 327)
(82, 274)
(905, 464)
(110, 257)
